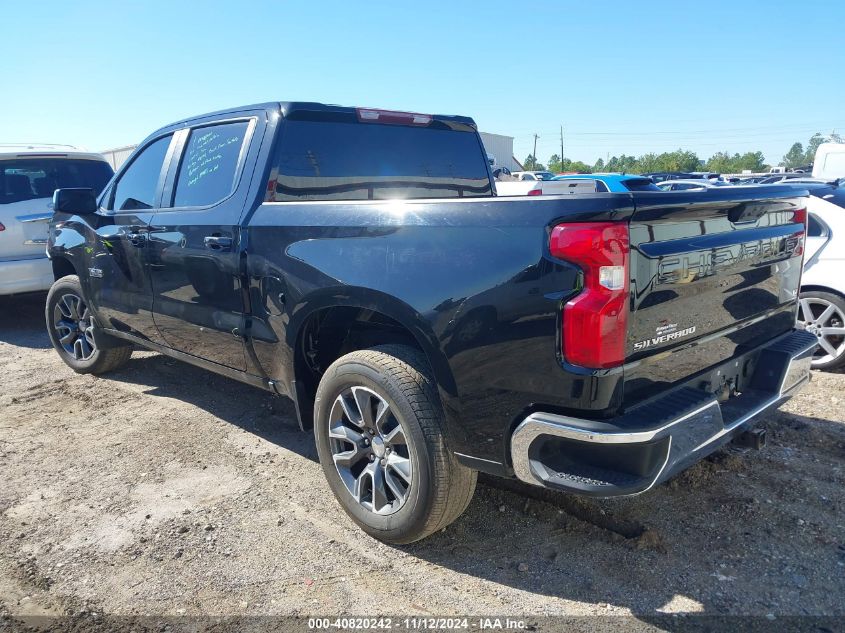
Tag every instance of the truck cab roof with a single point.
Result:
(292, 108)
(46, 150)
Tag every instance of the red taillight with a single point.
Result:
(535, 192)
(796, 241)
(392, 116)
(595, 320)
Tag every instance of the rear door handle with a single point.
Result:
(218, 242)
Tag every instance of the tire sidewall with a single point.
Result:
(403, 524)
(65, 286)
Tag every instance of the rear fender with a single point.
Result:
(367, 299)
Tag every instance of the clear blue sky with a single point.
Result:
(621, 77)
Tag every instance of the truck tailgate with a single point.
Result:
(713, 274)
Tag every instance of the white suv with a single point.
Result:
(28, 176)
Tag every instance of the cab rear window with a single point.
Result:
(344, 160)
(32, 178)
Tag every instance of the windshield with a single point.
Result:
(31, 178)
(334, 160)
(544, 175)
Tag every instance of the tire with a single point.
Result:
(70, 327)
(422, 487)
(823, 314)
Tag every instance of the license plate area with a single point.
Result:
(729, 379)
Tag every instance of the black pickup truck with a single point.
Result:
(358, 262)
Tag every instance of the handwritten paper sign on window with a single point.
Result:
(207, 173)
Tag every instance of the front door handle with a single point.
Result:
(218, 242)
(137, 239)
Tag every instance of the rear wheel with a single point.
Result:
(379, 430)
(70, 325)
(823, 314)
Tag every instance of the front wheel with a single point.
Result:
(70, 325)
(379, 430)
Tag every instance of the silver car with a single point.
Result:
(28, 176)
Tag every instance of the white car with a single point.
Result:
(821, 305)
(533, 175)
(28, 176)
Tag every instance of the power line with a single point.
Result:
(821, 124)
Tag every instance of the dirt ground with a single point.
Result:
(163, 489)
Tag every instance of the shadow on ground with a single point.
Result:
(22, 320)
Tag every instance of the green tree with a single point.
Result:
(623, 163)
(724, 163)
(531, 164)
(812, 145)
(599, 166)
(753, 161)
(565, 166)
(579, 167)
(794, 157)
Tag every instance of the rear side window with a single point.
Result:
(834, 195)
(32, 178)
(640, 184)
(814, 227)
(136, 188)
(209, 164)
(338, 160)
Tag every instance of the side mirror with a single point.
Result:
(79, 201)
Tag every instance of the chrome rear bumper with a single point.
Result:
(631, 453)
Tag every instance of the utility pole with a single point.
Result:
(536, 136)
(561, 148)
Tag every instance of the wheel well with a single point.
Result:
(332, 332)
(62, 268)
(815, 288)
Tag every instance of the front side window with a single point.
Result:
(33, 178)
(209, 165)
(340, 160)
(137, 186)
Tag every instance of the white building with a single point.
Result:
(118, 155)
(500, 147)
(497, 146)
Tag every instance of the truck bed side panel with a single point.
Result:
(471, 279)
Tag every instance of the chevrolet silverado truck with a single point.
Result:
(358, 262)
